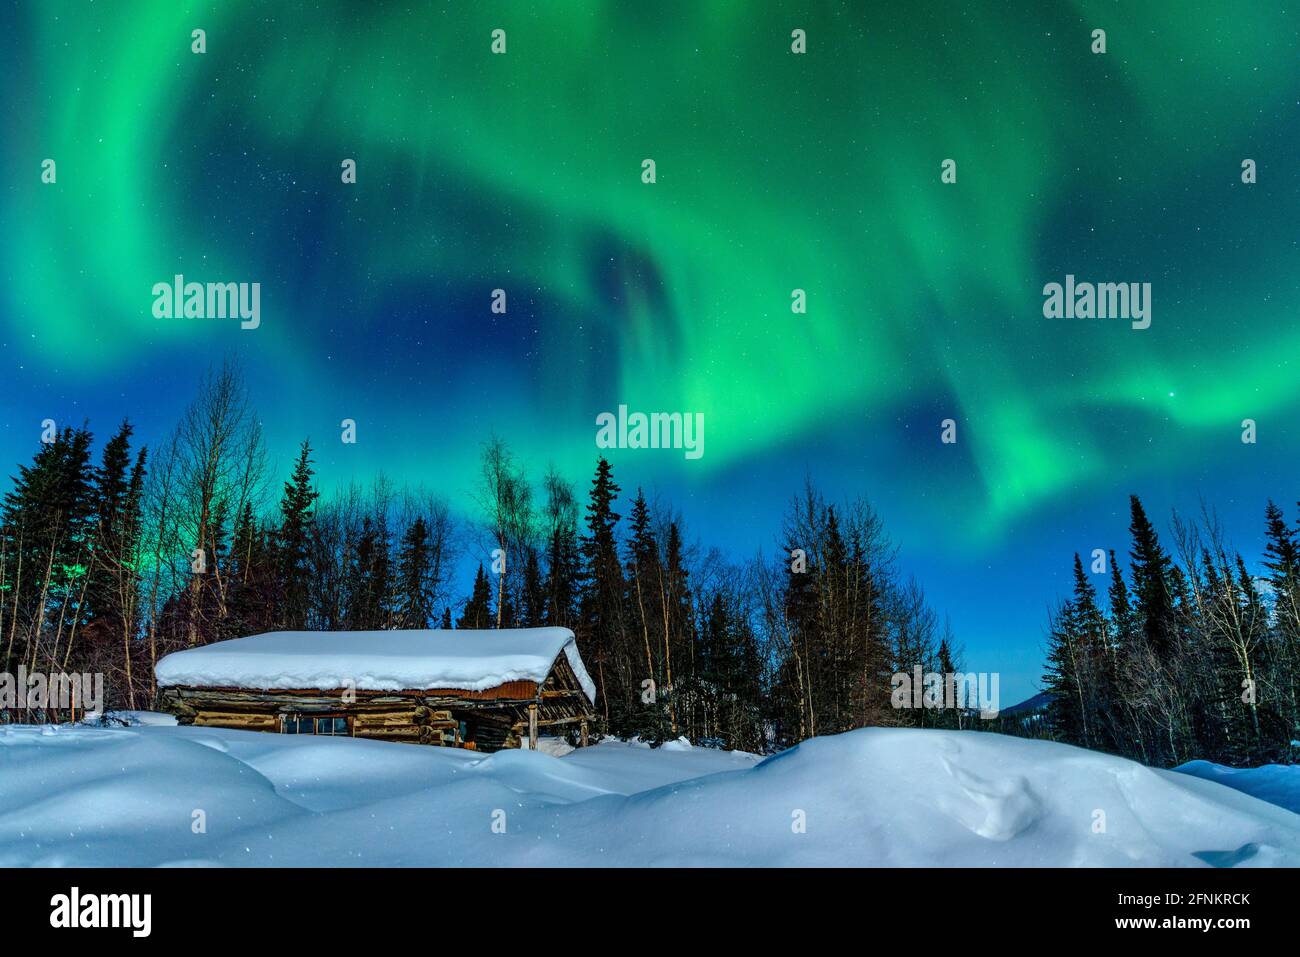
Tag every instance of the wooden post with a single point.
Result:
(582, 734)
(532, 727)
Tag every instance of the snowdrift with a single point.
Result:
(1276, 783)
(135, 796)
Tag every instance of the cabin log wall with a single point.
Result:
(499, 716)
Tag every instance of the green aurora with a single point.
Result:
(775, 171)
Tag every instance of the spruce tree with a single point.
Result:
(296, 510)
(1066, 710)
(600, 634)
(563, 570)
(642, 573)
(563, 559)
(676, 618)
(949, 717)
(47, 518)
(113, 575)
(367, 584)
(478, 609)
(1152, 571)
(1121, 608)
(414, 594)
(1282, 559)
(252, 579)
(1093, 668)
(533, 597)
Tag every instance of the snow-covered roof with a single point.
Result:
(466, 660)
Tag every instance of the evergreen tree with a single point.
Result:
(1282, 559)
(1066, 709)
(112, 518)
(600, 634)
(297, 507)
(1122, 649)
(113, 578)
(414, 568)
(642, 573)
(254, 596)
(1093, 669)
(728, 687)
(563, 559)
(47, 518)
(367, 583)
(1151, 585)
(533, 592)
(1121, 609)
(949, 718)
(676, 617)
(1281, 554)
(478, 609)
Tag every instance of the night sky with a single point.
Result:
(775, 171)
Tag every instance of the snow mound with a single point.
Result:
(891, 797)
(1276, 783)
(133, 719)
(466, 660)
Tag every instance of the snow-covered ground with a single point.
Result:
(1276, 783)
(156, 795)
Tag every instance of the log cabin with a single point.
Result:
(482, 690)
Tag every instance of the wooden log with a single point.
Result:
(172, 703)
(498, 717)
(552, 722)
(370, 723)
(237, 720)
(430, 716)
(408, 733)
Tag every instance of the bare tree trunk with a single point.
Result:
(668, 650)
(81, 600)
(40, 608)
(18, 584)
(645, 631)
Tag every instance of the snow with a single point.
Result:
(134, 796)
(1276, 783)
(128, 719)
(467, 660)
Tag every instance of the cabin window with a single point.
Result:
(330, 724)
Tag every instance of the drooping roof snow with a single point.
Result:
(465, 660)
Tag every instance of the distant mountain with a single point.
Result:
(1028, 707)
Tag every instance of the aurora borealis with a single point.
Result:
(775, 172)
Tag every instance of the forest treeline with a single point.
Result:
(112, 558)
(1192, 655)
(110, 561)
